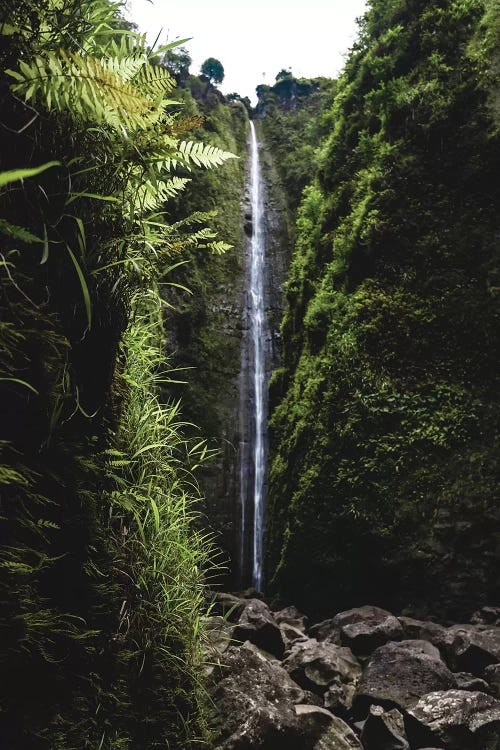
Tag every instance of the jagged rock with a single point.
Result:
(467, 681)
(418, 630)
(251, 593)
(255, 701)
(323, 731)
(325, 631)
(472, 648)
(291, 616)
(398, 674)
(323, 667)
(257, 625)
(339, 697)
(291, 634)
(365, 628)
(384, 730)
(486, 616)
(460, 719)
(226, 605)
(492, 677)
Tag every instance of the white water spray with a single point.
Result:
(257, 324)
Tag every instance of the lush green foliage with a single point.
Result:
(213, 70)
(100, 569)
(295, 119)
(385, 431)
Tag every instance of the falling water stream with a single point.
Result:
(257, 379)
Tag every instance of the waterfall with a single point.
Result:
(254, 379)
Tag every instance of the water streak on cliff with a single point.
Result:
(256, 380)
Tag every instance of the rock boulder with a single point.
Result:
(257, 625)
(399, 674)
(456, 720)
(324, 668)
(365, 628)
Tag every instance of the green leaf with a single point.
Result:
(156, 514)
(19, 233)
(45, 253)
(21, 382)
(14, 175)
(110, 198)
(83, 284)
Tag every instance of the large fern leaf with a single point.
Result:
(86, 87)
(203, 155)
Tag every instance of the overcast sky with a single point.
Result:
(256, 39)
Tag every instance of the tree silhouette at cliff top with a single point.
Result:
(213, 70)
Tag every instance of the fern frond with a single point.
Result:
(86, 87)
(219, 248)
(183, 125)
(150, 196)
(18, 233)
(155, 81)
(203, 155)
(124, 68)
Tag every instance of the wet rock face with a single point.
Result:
(398, 674)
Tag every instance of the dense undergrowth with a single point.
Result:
(295, 115)
(385, 431)
(101, 561)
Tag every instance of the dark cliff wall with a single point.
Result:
(210, 324)
(385, 429)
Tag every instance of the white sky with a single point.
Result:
(256, 39)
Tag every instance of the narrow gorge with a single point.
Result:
(249, 378)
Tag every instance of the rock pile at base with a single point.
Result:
(362, 680)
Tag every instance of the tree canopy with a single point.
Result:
(213, 70)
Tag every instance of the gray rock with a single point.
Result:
(384, 730)
(365, 628)
(324, 668)
(486, 616)
(325, 631)
(291, 616)
(339, 697)
(323, 731)
(398, 674)
(291, 634)
(467, 681)
(492, 677)
(418, 630)
(255, 699)
(460, 719)
(472, 648)
(257, 625)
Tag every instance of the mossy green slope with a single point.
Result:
(385, 429)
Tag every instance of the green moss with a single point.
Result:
(385, 427)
